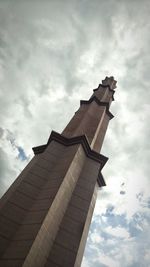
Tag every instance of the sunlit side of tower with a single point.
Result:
(46, 213)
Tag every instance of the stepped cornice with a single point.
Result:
(104, 104)
(82, 139)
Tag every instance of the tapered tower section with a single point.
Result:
(45, 215)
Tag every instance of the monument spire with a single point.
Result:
(46, 213)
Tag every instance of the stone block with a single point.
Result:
(21, 200)
(28, 189)
(48, 193)
(35, 180)
(66, 257)
(7, 227)
(11, 263)
(67, 240)
(76, 214)
(41, 204)
(79, 202)
(35, 217)
(4, 243)
(83, 193)
(13, 213)
(71, 226)
(27, 231)
(17, 249)
(39, 171)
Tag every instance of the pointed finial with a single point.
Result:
(110, 82)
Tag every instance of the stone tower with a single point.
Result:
(46, 213)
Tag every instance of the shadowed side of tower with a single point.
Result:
(46, 213)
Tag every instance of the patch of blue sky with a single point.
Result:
(21, 155)
(115, 220)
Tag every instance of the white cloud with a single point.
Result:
(85, 262)
(51, 56)
(96, 238)
(108, 261)
(117, 232)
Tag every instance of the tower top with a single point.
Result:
(109, 81)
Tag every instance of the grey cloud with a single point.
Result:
(65, 48)
(1, 132)
(140, 196)
(122, 192)
(6, 173)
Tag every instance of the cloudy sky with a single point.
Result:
(52, 54)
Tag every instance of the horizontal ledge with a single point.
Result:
(104, 104)
(39, 149)
(100, 180)
(73, 141)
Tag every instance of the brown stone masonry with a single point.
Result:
(46, 213)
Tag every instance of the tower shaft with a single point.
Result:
(46, 213)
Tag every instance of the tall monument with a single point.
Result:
(46, 213)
